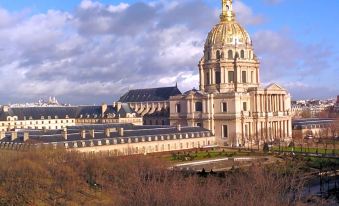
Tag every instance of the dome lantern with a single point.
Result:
(227, 13)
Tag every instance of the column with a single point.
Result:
(283, 103)
(210, 76)
(202, 79)
(222, 75)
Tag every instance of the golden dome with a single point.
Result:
(228, 31)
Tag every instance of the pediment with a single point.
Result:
(274, 87)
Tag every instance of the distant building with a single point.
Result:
(51, 118)
(152, 104)
(118, 139)
(314, 128)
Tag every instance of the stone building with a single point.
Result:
(231, 101)
(315, 128)
(117, 139)
(58, 117)
(152, 104)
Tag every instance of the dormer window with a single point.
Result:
(42, 117)
(67, 117)
(56, 117)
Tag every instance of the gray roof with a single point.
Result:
(150, 95)
(62, 112)
(130, 131)
(304, 123)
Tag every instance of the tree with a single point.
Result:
(306, 114)
(266, 147)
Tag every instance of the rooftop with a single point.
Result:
(150, 95)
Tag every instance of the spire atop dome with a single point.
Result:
(227, 11)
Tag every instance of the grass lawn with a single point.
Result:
(306, 150)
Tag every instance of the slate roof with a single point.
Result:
(150, 95)
(298, 124)
(130, 131)
(35, 113)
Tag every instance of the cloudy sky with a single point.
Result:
(88, 52)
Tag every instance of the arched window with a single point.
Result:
(230, 54)
(218, 55)
(208, 55)
(242, 54)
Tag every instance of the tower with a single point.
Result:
(231, 102)
(229, 63)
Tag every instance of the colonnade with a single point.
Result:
(270, 103)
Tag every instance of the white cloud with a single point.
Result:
(97, 52)
(245, 14)
(89, 4)
(118, 8)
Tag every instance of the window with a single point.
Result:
(224, 107)
(242, 54)
(198, 106)
(244, 77)
(218, 55)
(224, 131)
(217, 78)
(198, 124)
(244, 106)
(230, 54)
(178, 108)
(230, 76)
(208, 56)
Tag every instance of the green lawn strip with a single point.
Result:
(306, 150)
(321, 163)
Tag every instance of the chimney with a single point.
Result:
(14, 135)
(179, 127)
(83, 134)
(121, 132)
(118, 106)
(64, 134)
(26, 136)
(107, 132)
(103, 109)
(92, 133)
(5, 108)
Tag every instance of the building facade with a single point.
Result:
(152, 104)
(117, 139)
(231, 101)
(59, 117)
(315, 128)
